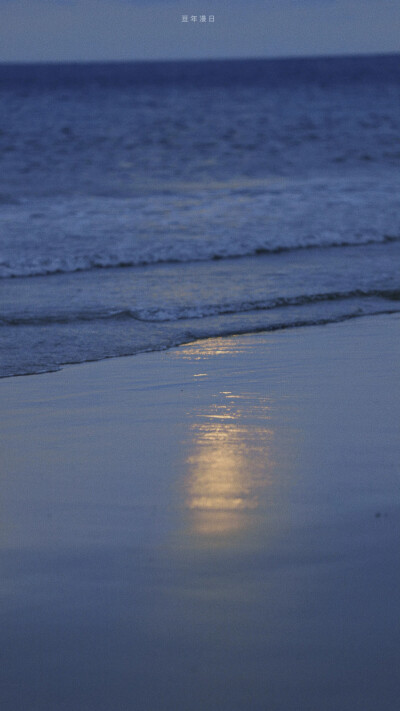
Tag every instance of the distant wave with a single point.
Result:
(7, 199)
(165, 315)
(176, 255)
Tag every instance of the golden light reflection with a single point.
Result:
(229, 466)
(209, 348)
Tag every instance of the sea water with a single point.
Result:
(144, 205)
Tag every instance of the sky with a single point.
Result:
(87, 30)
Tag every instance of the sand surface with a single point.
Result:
(212, 527)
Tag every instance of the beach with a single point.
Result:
(199, 384)
(214, 526)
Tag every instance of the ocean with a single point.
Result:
(145, 205)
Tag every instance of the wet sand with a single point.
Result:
(212, 527)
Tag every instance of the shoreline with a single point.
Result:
(215, 525)
(262, 330)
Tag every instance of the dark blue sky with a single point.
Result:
(32, 30)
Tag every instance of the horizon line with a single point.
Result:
(171, 60)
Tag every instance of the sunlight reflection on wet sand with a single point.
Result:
(230, 459)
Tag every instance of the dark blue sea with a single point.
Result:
(144, 205)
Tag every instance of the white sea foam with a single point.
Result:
(46, 236)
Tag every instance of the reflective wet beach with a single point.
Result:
(216, 527)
